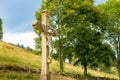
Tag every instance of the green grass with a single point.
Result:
(18, 57)
(17, 76)
(5, 75)
(11, 55)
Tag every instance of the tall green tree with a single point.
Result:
(111, 10)
(1, 31)
(85, 29)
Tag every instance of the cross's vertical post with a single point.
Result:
(45, 65)
(47, 34)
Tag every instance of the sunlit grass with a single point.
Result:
(20, 57)
(79, 70)
(17, 76)
(27, 76)
(102, 74)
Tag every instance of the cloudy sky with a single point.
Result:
(17, 17)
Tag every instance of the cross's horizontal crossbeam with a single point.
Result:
(39, 26)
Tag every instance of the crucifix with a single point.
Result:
(46, 33)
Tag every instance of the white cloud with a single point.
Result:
(27, 38)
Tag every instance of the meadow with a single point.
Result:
(13, 56)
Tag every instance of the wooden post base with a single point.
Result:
(45, 76)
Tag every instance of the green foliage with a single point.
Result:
(37, 42)
(112, 16)
(1, 31)
(84, 31)
(19, 45)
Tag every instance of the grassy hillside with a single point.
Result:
(11, 55)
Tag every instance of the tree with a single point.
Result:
(85, 29)
(111, 11)
(1, 31)
(60, 21)
(88, 49)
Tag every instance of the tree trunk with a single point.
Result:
(59, 36)
(61, 56)
(85, 70)
(118, 65)
(61, 63)
(85, 66)
(118, 57)
(60, 51)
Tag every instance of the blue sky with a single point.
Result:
(17, 17)
(99, 1)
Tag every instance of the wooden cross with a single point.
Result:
(45, 32)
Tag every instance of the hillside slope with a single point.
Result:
(11, 55)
